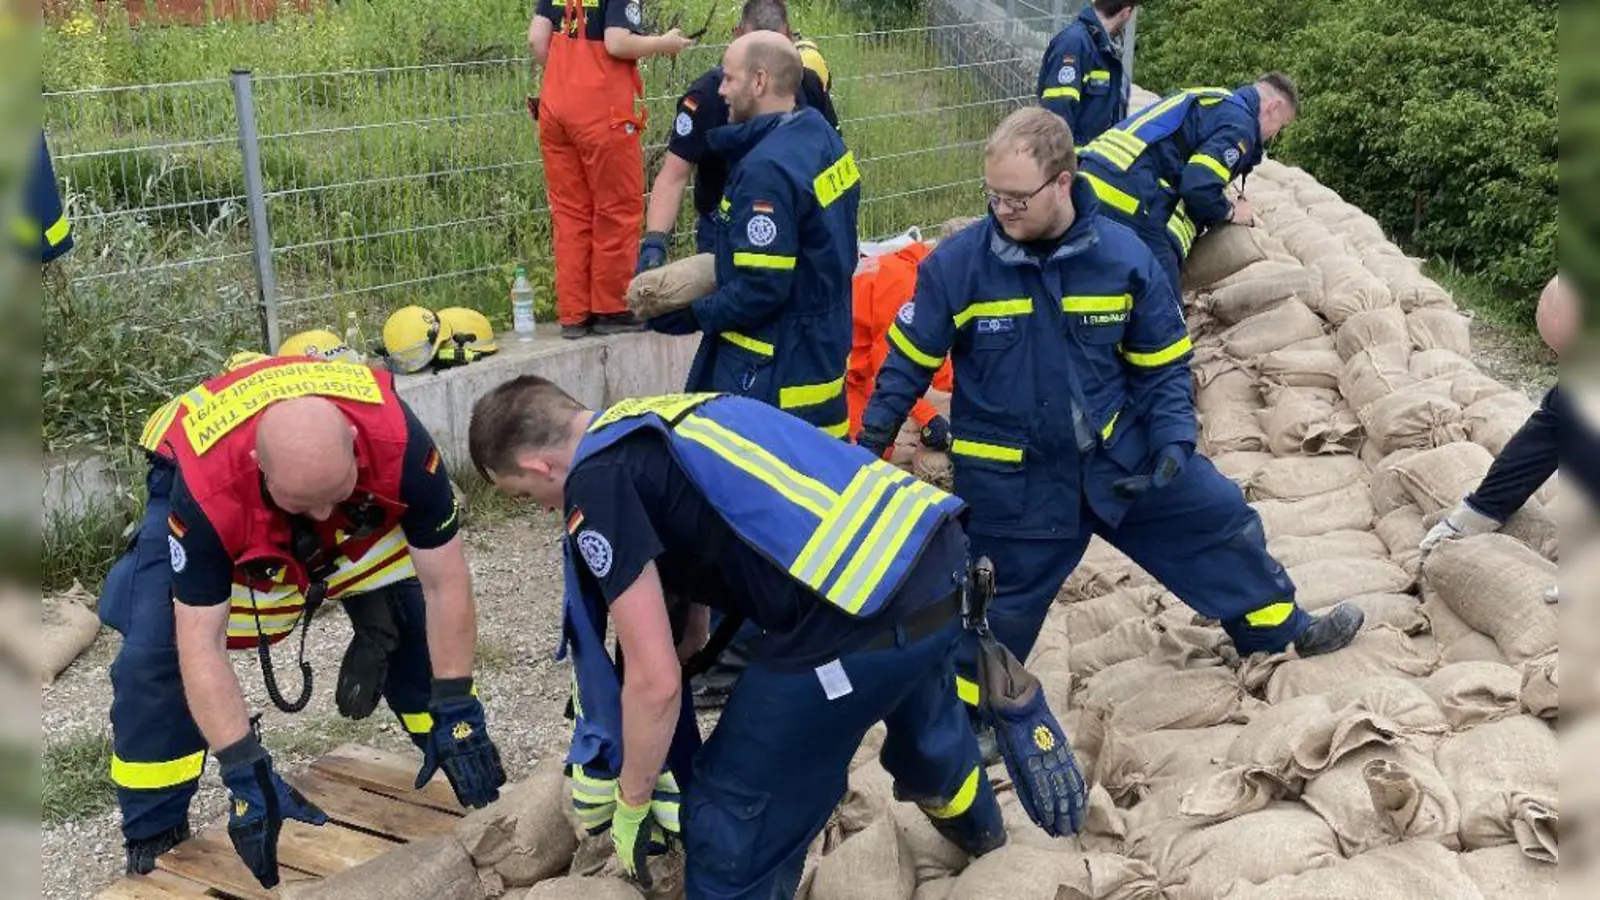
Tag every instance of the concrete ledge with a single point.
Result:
(596, 370)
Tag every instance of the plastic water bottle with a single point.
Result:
(522, 306)
(352, 336)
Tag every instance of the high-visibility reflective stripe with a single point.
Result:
(590, 789)
(1270, 616)
(810, 394)
(724, 205)
(836, 179)
(1103, 304)
(986, 309)
(1122, 140)
(748, 343)
(883, 542)
(1055, 93)
(158, 423)
(154, 776)
(828, 542)
(801, 490)
(898, 338)
(763, 261)
(961, 802)
(1116, 156)
(1210, 162)
(1183, 230)
(417, 723)
(58, 231)
(398, 570)
(1160, 357)
(980, 450)
(1111, 425)
(670, 407)
(1112, 196)
(967, 691)
(838, 430)
(923, 497)
(1099, 75)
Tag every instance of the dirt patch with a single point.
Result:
(1515, 360)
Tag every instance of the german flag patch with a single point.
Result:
(575, 521)
(691, 104)
(431, 465)
(762, 206)
(176, 526)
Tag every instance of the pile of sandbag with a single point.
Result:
(42, 637)
(1334, 385)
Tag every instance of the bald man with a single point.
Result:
(1554, 436)
(272, 488)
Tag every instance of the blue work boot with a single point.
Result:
(1331, 632)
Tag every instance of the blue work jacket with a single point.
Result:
(1082, 79)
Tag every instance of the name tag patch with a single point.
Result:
(1116, 318)
(1004, 325)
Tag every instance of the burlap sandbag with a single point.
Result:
(1492, 421)
(1497, 586)
(1241, 466)
(1426, 364)
(574, 888)
(1438, 478)
(1506, 873)
(1415, 870)
(1127, 639)
(1475, 647)
(1311, 192)
(1349, 508)
(1467, 388)
(1401, 612)
(1102, 570)
(435, 868)
(672, 286)
(932, 855)
(1194, 698)
(1088, 619)
(1302, 233)
(1277, 393)
(1231, 430)
(1323, 582)
(1375, 373)
(937, 889)
(1019, 872)
(1440, 329)
(1384, 795)
(1133, 766)
(1370, 328)
(1403, 703)
(1322, 344)
(1348, 288)
(1294, 551)
(1333, 247)
(1221, 251)
(69, 629)
(1388, 490)
(1413, 418)
(1401, 532)
(1233, 303)
(524, 836)
(1504, 775)
(1380, 651)
(1284, 324)
(1541, 686)
(1334, 213)
(1291, 367)
(935, 468)
(1200, 862)
(872, 863)
(1473, 693)
(1265, 270)
(1230, 389)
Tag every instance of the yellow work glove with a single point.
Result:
(635, 835)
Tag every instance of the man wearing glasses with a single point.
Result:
(1073, 412)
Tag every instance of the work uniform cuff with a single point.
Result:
(246, 751)
(450, 690)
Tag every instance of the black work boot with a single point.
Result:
(142, 853)
(1331, 632)
(617, 323)
(580, 330)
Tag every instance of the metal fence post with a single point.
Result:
(1058, 15)
(1130, 36)
(244, 100)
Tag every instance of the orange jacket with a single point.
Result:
(882, 285)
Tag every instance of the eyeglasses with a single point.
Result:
(1017, 204)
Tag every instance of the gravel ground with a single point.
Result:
(1512, 360)
(516, 574)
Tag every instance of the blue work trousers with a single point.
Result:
(1197, 536)
(777, 764)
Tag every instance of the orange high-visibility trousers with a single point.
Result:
(589, 136)
(881, 286)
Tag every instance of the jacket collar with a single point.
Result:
(732, 142)
(1250, 98)
(1097, 31)
(1081, 234)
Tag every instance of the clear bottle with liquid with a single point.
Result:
(353, 340)
(522, 306)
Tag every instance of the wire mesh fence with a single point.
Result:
(420, 184)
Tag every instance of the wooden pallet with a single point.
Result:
(368, 797)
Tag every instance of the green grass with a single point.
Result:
(425, 178)
(486, 507)
(317, 736)
(83, 548)
(76, 777)
(1511, 315)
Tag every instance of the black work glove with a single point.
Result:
(365, 669)
(875, 442)
(1167, 467)
(936, 434)
(258, 802)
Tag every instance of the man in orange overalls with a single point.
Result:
(590, 115)
(882, 289)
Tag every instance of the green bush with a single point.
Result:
(1438, 117)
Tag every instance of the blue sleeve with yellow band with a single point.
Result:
(1156, 349)
(764, 242)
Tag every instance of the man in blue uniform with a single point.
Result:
(777, 329)
(1082, 79)
(853, 569)
(1165, 169)
(701, 109)
(1556, 435)
(43, 228)
(1073, 412)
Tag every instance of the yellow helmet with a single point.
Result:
(411, 337)
(812, 59)
(241, 359)
(318, 343)
(469, 330)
